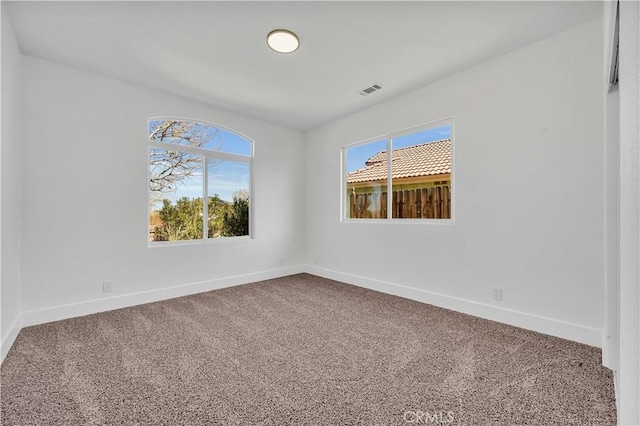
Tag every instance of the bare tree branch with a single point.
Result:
(170, 168)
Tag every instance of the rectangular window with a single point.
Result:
(190, 162)
(178, 218)
(416, 165)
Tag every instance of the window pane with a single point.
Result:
(421, 174)
(366, 189)
(223, 140)
(200, 135)
(228, 198)
(175, 195)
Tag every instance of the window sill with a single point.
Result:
(402, 221)
(224, 240)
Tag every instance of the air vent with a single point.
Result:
(369, 90)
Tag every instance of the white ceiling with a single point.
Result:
(215, 52)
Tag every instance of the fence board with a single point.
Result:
(426, 203)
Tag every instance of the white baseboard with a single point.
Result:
(553, 327)
(10, 337)
(56, 313)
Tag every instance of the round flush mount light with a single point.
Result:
(283, 41)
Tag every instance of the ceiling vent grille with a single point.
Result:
(369, 90)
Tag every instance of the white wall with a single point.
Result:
(10, 184)
(85, 220)
(528, 192)
(611, 195)
(629, 321)
(612, 200)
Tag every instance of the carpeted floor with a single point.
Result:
(299, 350)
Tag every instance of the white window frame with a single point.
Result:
(206, 154)
(389, 136)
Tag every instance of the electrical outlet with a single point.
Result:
(315, 260)
(497, 293)
(107, 286)
(282, 262)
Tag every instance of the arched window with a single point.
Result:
(200, 179)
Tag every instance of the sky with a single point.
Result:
(224, 178)
(359, 154)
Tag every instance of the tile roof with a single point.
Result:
(427, 159)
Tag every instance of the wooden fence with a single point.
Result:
(421, 203)
(155, 223)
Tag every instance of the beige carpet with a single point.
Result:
(299, 350)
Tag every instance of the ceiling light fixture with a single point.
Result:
(283, 41)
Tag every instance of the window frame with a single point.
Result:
(388, 137)
(207, 154)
